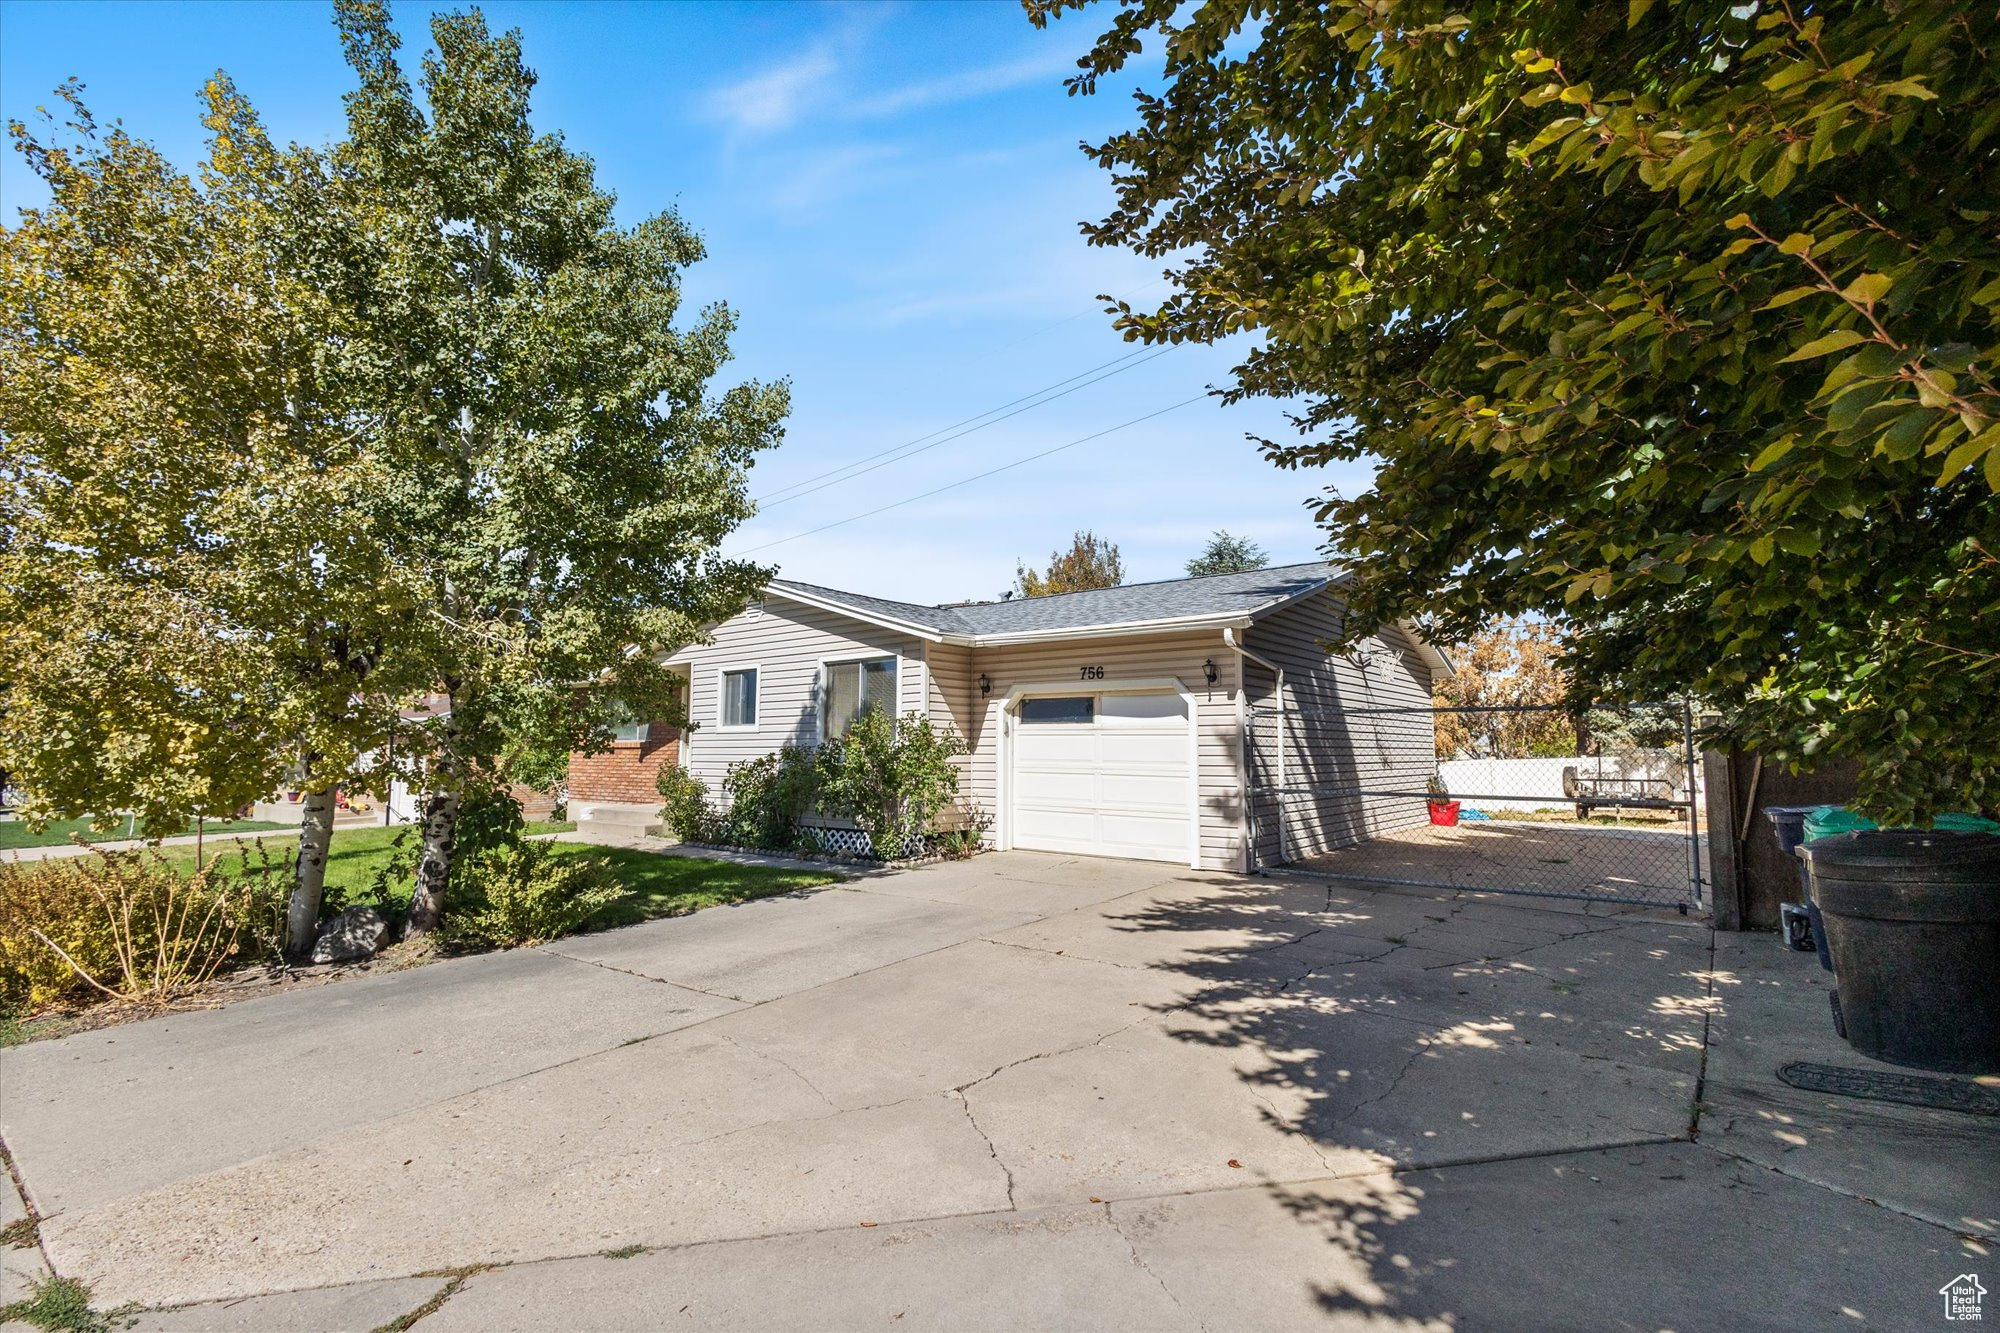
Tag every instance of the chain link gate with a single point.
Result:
(1529, 799)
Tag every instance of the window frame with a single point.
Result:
(823, 702)
(1021, 717)
(722, 675)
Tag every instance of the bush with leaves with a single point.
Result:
(506, 897)
(686, 807)
(893, 779)
(769, 795)
(129, 925)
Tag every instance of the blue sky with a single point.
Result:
(890, 196)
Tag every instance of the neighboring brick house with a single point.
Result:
(619, 787)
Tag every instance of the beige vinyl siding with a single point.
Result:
(954, 703)
(786, 642)
(1326, 744)
(1137, 658)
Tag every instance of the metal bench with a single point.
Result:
(1593, 791)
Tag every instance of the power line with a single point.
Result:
(925, 443)
(966, 481)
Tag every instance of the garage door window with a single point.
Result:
(1140, 709)
(1063, 710)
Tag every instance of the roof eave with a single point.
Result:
(926, 632)
(1120, 630)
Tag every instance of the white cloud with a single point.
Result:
(775, 98)
(819, 82)
(966, 85)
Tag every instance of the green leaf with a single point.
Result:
(1785, 298)
(1772, 452)
(1821, 346)
(1796, 72)
(1868, 288)
(1961, 458)
(1635, 11)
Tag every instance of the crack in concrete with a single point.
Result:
(1409, 1063)
(642, 976)
(991, 1150)
(787, 1066)
(1140, 1263)
(1284, 1127)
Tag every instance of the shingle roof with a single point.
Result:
(1218, 596)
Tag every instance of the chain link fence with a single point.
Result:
(1605, 804)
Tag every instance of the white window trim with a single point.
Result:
(721, 702)
(1003, 832)
(823, 684)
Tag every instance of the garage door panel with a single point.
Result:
(1042, 746)
(1165, 750)
(1134, 831)
(1056, 786)
(1040, 825)
(1153, 791)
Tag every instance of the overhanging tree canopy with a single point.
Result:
(1680, 320)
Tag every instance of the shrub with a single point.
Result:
(893, 779)
(128, 925)
(489, 819)
(768, 797)
(686, 807)
(525, 894)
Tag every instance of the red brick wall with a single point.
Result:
(628, 772)
(534, 804)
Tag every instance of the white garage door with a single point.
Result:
(1104, 775)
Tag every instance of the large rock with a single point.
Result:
(353, 935)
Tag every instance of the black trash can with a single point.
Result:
(1913, 922)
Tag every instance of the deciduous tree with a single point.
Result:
(1512, 664)
(1227, 554)
(195, 604)
(1678, 319)
(563, 467)
(1089, 563)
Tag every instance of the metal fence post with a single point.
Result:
(1694, 802)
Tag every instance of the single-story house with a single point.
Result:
(1118, 722)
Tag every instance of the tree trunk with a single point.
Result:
(309, 881)
(434, 865)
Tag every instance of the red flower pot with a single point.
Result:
(1444, 813)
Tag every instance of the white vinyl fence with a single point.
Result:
(1527, 785)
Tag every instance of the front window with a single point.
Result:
(739, 698)
(626, 731)
(853, 688)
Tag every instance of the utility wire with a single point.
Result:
(925, 443)
(966, 481)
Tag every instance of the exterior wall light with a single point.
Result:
(985, 684)
(1208, 670)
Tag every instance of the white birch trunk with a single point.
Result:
(434, 863)
(309, 882)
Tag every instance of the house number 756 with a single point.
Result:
(1090, 673)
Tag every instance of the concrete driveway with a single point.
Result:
(1024, 1091)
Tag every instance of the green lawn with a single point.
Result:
(15, 833)
(661, 885)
